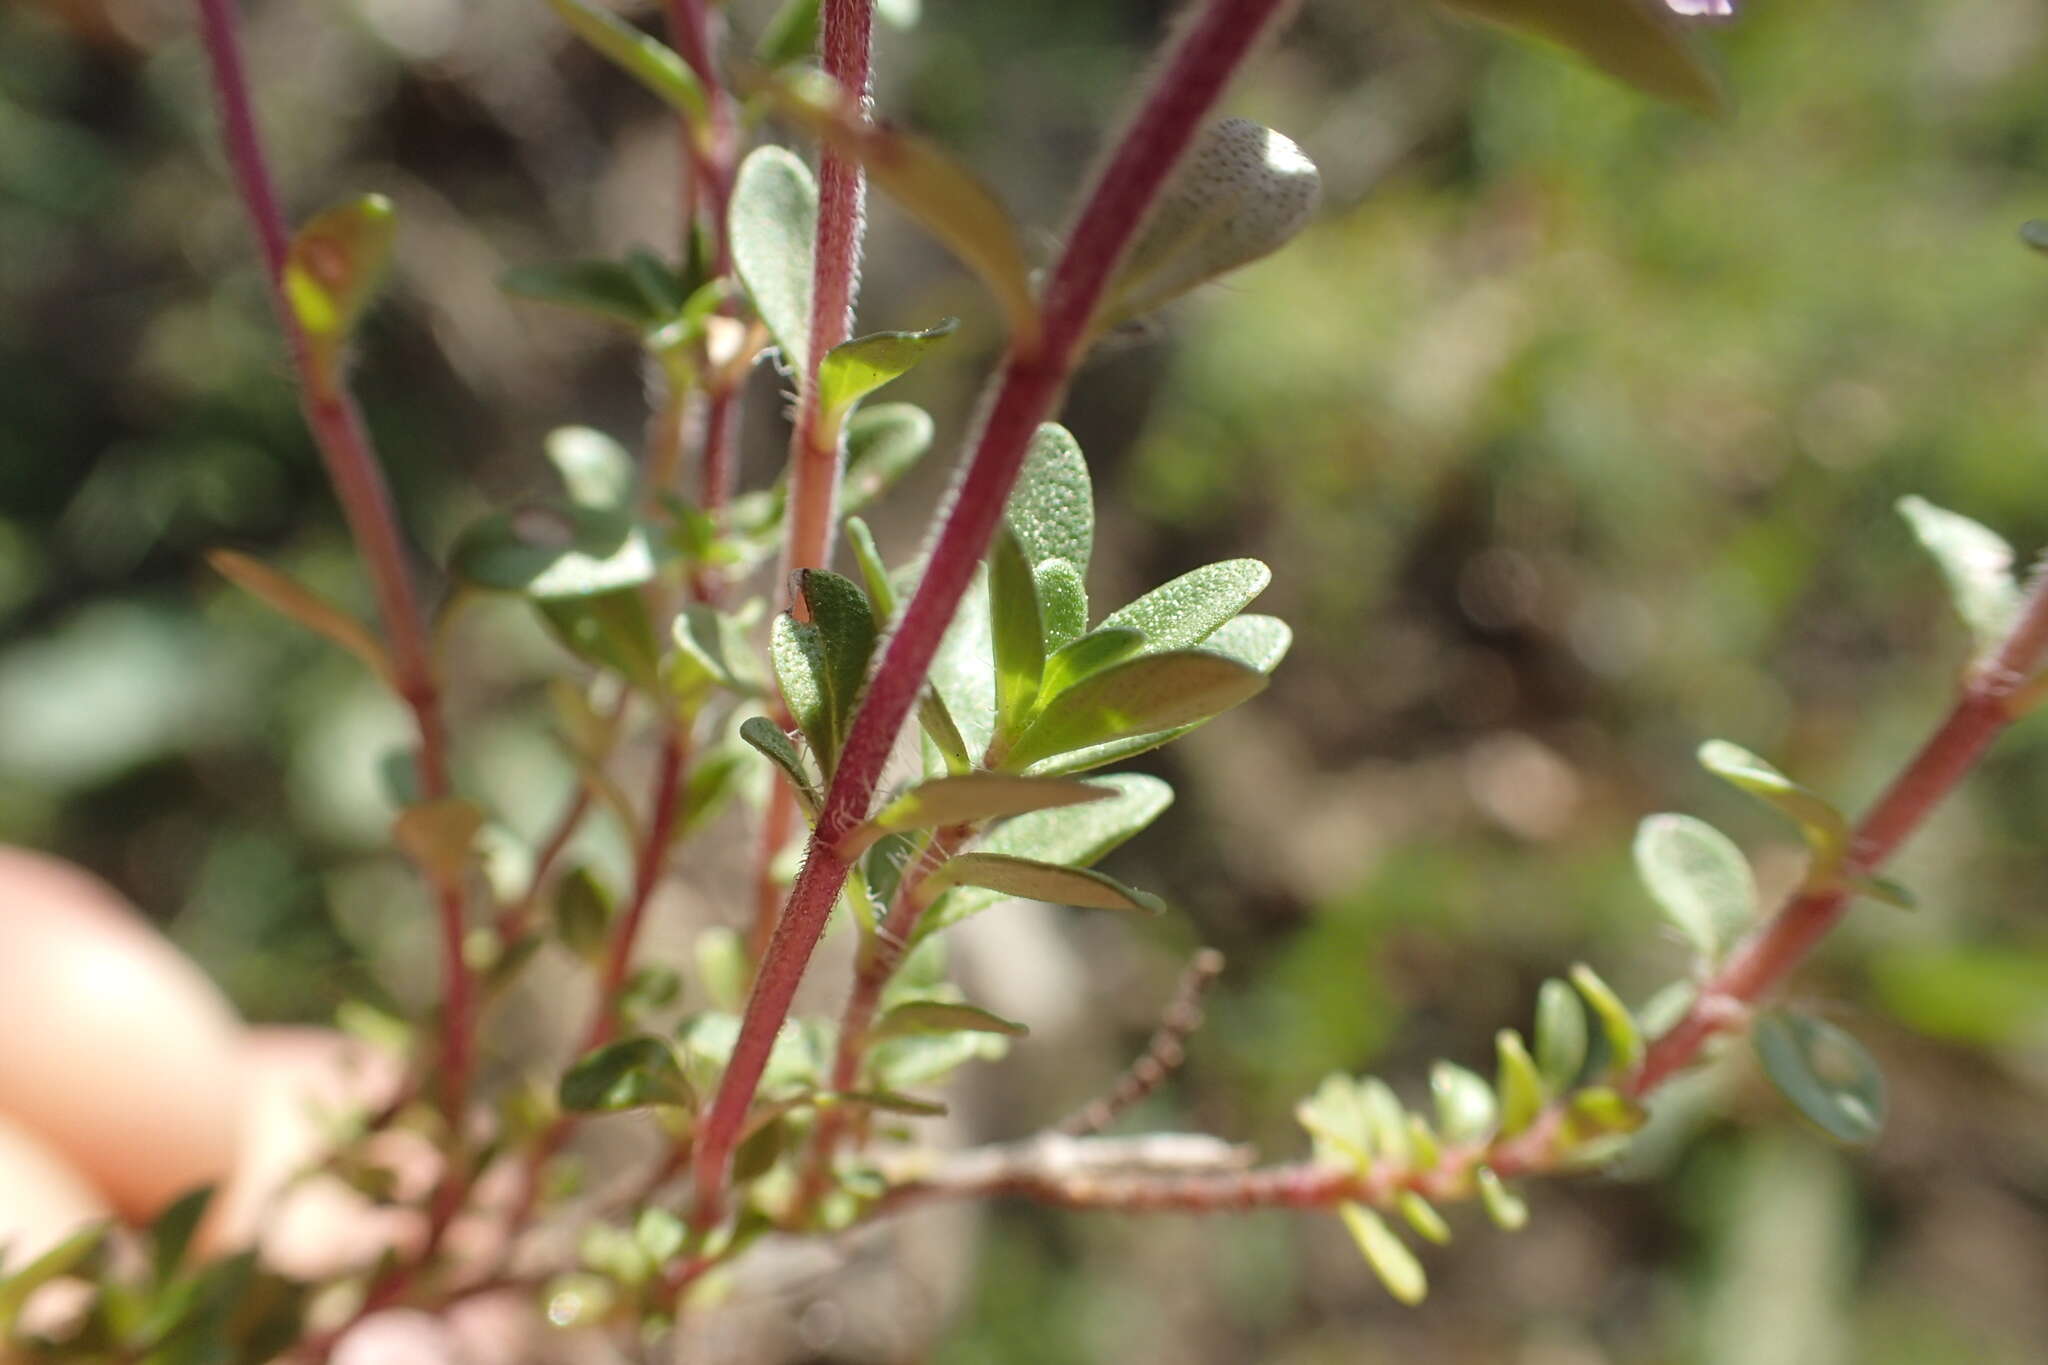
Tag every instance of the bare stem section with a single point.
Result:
(358, 480)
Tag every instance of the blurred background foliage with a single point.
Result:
(1572, 434)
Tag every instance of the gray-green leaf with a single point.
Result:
(774, 226)
(1976, 561)
(854, 369)
(1149, 693)
(1699, 877)
(1189, 609)
(1825, 1073)
(942, 1016)
(1028, 879)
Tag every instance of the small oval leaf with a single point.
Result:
(1825, 1073)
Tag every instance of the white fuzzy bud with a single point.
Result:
(1243, 193)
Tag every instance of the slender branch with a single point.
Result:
(880, 956)
(1198, 68)
(648, 862)
(814, 443)
(778, 822)
(351, 465)
(711, 154)
(670, 767)
(1762, 962)
(1163, 1053)
(1757, 969)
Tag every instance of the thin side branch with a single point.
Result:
(1163, 1054)
(358, 481)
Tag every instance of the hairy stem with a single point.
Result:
(1197, 69)
(351, 466)
(814, 443)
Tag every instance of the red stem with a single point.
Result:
(711, 157)
(1769, 955)
(1193, 79)
(351, 465)
(814, 445)
(1757, 969)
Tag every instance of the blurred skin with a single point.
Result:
(126, 1080)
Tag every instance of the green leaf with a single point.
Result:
(1503, 1206)
(1825, 829)
(660, 1234)
(942, 1016)
(971, 798)
(1517, 1083)
(874, 574)
(1073, 836)
(1617, 1027)
(1386, 1122)
(610, 630)
(1242, 192)
(883, 1101)
(171, 1232)
(649, 988)
(854, 369)
(883, 442)
(1338, 1120)
(1189, 609)
(1386, 1253)
(1977, 562)
(822, 664)
(610, 290)
(1886, 890)
(1700, 878)
(1259, 642)
(920, 1059)
(583, 914)
(943, 198)
(294, 602)
(1422, 1216)
(1560, 1035)
(548, 552)
(334, 265)
(631, 1073)
(1027, 879)
(73, 1255)
(1088, 654)
(1062, 602)
(639, 56)
(791, 36)
(1139, 696)
(1466, 1110)
(963, 671)
(1640, 42)
(1825, 1073)
(937, 724)
(712, 652)
(1051, 510)
(774, 226)
(774, 745)
(595, 470)
(1016, 633)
